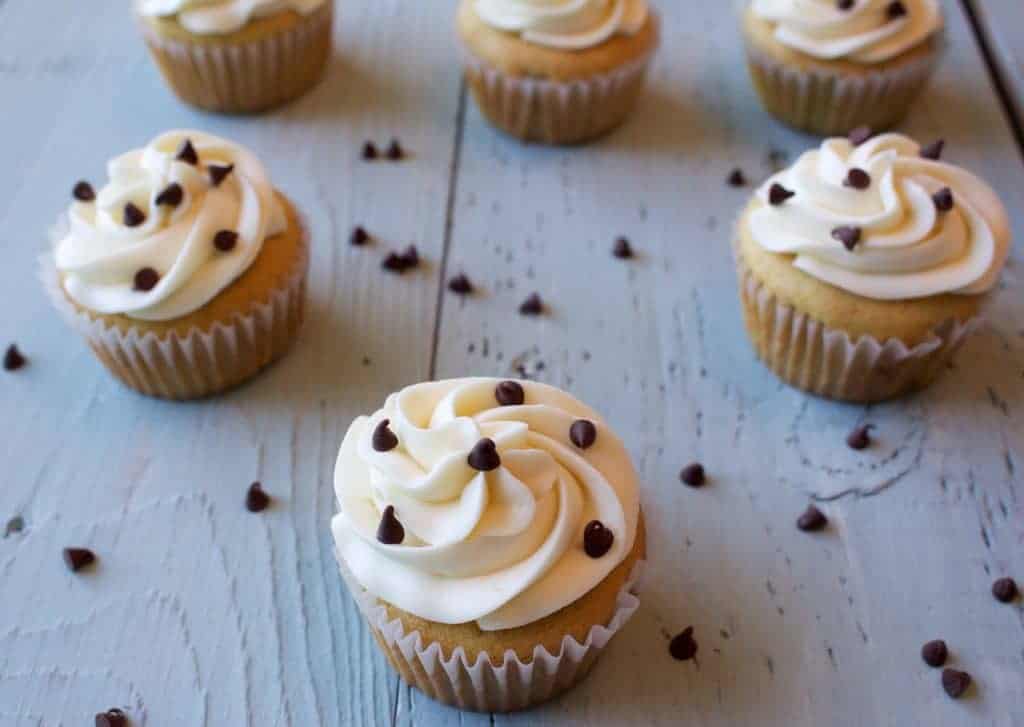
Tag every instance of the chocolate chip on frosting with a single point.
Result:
(390, 530)
(943, 199)
(484, 456)
(509, 393)
(384, 440)
(83, 192)
(935, 653)
(219, 173)
(812, 520)
(622, 249)
(1004, 590)
(777, 194)
(934, 150)
(859, 135)
(857, 179)
(112, 718)
(460, 285)
(78, 558)
(187, 153)
(597, 539)
(13, 359)
(895, 10)
(225, 240)
(955, 682)
(532, 306)
(683, 647)
(845, 4)
(583, 433)
(133, 216)
(848, 235)
(256, 500)
(172, 195)
(145, 280)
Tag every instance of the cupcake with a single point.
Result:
(238, 56)
(863, 267)
(557, 71)
(490, 532)
(830, 66)
(186, 272)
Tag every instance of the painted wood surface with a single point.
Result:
(201, 613)
(1002, 23)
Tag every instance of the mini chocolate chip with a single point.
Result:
(394, 263)
(860, 438)
(622, 249)
(15, 525)
(693, 475)
(171, 195)
(943, 199)
(777, 194)
(934, 150)
(583, 433)
(812, 520)
(510, 393)
(187, 153)
(460, 285)
(256, 500)
(369, 151)
(411, 257)
(736, 178)
(83, 192)
(597, 539)
(390, 530)
(683, 647)
(896, 10)
(13, 358)
(78, 558)
(111, 718)
(133, 216)
(935, 653)
(845, 4)
(395, 151)
(859, 135)
(484, 456)
(532, 306)
(225, 240)
(857, 179)
(848, 235)
(384, 440)
(146, 279)
(359, 236)
(1004, 590)
(955, 682)
(219, 173)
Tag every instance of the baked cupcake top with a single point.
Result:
(884, 219)
(861, 31)
(177, 223)
(483, 500)
(217, 17)
(565, 24)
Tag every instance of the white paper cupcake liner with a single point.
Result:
(482, 687)
(825, 361)
(248, 76)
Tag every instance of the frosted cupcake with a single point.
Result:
(557, 71)
(489, 531)
(186, 272)
(862, 268)
(238, 56)
(829, 66)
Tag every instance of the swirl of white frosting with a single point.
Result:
(867, 32)
(503, 548)
(909, 248)
(100, 255)
(565, 24)
(216, 17)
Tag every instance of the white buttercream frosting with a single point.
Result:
(909, 247)
(215, 17)
(565, 24)
(502, 548)
(100, 256)
(869, 31)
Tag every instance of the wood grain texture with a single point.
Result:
(201, 613)
(1002, 23)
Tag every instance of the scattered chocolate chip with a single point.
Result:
(256, 500)
(395, 152)
(369, 151)
(510, 393)
(78, 558)
(219, 173)
(622, 249)
(847, 235)
(778, 194)
(935, 653)
(15, 525)
(411, 257)
(394, 263)
(359, 236)
(225, 240)
(83, 192)
(934, 150)
(390, 530)
(583, 433)
(13, 358)
(187, 153)
(736, 178)
(845, 4)
(484, 456)
(532, 306)
(955, 682)
(943, 199)
(111, 718)
(693, 475)
(859, 135)
(860, 438)
(1004, 590)
(812, 520)
(683, 647)
(896, 10)
(384, 440)
(597, 539)
(857, 179)
(460, 285)
(171, 195)
(133, 216)
(146, 279)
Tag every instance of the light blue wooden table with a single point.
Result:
(201, 613)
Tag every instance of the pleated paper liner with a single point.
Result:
(247, 76)
(827, 362)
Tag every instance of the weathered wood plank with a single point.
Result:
(1002, 23)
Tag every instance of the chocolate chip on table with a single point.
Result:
(369, 151)
(411, 256)
(812, 520)
(133, 216)
(83, 192)
(683, 647)
(78, 558)
(857, 179)
(171, 195)
(943, 199)
(622, 249)
(395, 151)
(219, 173)
(955, 682)
(778, 194)
(597, 539)
(693, 475)
(484, 456)
(935, 653)
(13, 358)
(390, 530)
(384, 440)
(112, 718)
(256, 500)
(399, 262)
(460, 285)
(845, 4)
(532, 306)
(225, 240)
(146, 279)
(187, 153)
(1005, 590)
(583, 433)
(848, 235)
(736, 178)
(510, 393)
(859, 135)
(860, 438)
(359, 236)
(934, 150)
(896, 9)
